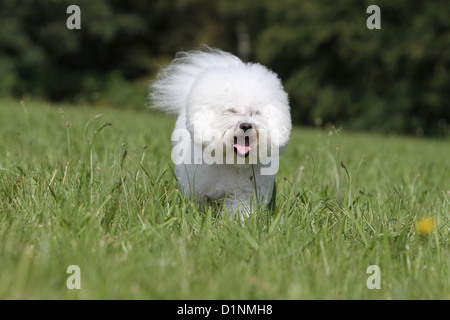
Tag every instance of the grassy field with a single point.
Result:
(97, 191)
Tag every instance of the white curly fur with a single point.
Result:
(213, 94)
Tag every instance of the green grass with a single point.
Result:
(103, 197)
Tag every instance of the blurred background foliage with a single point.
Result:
(336, 70)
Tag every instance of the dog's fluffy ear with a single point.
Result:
(201, 124)
(280, 126)
(171, 89)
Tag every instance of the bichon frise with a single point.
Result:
(233, 123)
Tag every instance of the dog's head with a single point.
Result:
(242, 110)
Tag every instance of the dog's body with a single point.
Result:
(236, 114)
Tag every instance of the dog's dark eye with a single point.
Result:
(232, 110)
(256, 113)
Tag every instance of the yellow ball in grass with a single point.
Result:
(425, 226)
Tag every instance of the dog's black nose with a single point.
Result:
(245, 126)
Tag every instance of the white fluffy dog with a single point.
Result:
(233, 123)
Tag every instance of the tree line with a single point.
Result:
(336, 70)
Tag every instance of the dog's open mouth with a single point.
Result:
(242, 146)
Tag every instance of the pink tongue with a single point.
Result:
(242, 149)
